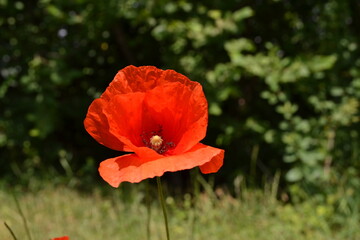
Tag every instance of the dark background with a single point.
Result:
(282, 79)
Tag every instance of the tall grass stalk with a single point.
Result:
(22, 217)
(10, 230)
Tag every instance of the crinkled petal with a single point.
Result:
(181, 111)
(97, 125)
(132, 168)
(142, 79)
(133, 79)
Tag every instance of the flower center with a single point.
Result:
(156, 142)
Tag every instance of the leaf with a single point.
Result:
(294, 175)
(54, 11)
(243, 13)
(321, 63)
(239, 45)
(215, 109)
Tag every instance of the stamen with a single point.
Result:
(156, 142)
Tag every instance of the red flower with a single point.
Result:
(61, 238)
(159, 115)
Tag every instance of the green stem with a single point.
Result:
(148, 208)
(163, 206)
(195, 174)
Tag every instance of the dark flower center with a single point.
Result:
(156, 141)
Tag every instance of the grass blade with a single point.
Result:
(10, 230)
(22, 217)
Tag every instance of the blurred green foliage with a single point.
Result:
(282, 79)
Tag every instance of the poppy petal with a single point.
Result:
(97, 125)
(181, 111)
(124, 115)
(126, 122)
(142, 79)
(214, 164)
(132, 168)
(133, 79)
(61, 238)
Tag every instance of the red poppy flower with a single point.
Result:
(61, 238)
(160, 116)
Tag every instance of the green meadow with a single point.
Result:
(129, 213)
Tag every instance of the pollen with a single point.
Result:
(156, 142)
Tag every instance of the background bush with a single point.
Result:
(282, 79)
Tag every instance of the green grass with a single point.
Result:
(122, 214)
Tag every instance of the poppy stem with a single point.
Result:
(148, 208)
(163, 206)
